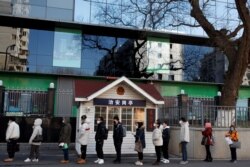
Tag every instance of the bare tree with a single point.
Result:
(234, 43)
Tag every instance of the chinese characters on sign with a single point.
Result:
(119, 102)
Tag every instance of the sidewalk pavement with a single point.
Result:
(51, 158)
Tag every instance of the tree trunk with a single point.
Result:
(234, 76)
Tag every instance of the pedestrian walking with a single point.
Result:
(12, 136)
(64, 139)
(140, 143)
(118, 138)
(99, 138)
(83, 138)
(184, 139)
(35, 144)
(165, 137)
(234, 136)
(207, 141)
(157, 141)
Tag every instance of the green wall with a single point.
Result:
(24, 81)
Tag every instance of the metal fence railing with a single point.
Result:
(25, 102)
(219, 116)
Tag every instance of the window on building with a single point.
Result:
(159, 76)
(139, 115)
(171, 77)
(14, 36)
(171, 56)
(126, 118)
(171, 46)
(159, 45)
(100, 112)
(112, 111)
(159, 55)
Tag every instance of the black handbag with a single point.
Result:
(203, 140)
(38, 138)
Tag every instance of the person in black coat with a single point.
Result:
(140, 137)
(165, 137)
(99, 138)
(118, 138)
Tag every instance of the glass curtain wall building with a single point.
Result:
(73, 50)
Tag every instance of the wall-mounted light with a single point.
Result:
(218, 93)
(87, 109)
(1, 83)
(51, 85)
(182, 91)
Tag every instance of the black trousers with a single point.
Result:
(165, 150)
(99, 151)
(208, 152)
(83, 151)
(233, 154)
(158, 153)
(11, 147)
(34, 151)
(140, 156)
(118, 147)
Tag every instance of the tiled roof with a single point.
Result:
(85, 88)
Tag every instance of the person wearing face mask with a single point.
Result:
(165, 137)
(184, 139)
(207, 132)
(234, 136)
(140, 140)
(118, 138)
(12, 135)
(99, 138)
(64, 139)
(83, 138)
(157, 141)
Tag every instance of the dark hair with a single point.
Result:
(101, 118)
(83, 117)
(183, 119)
(116, 117)
(140, 124)
(158, 122)
(12, 118)
(165, 121)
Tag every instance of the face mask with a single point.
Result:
(180, 122)
(231, 129)
(98, 122)
(136, 126)
(63, 121)
(155, 125)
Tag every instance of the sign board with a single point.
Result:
(119, 102)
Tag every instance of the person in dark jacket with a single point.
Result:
(99, 138)
(118, 138)
(64, 139)
(140, 138)
(207, 132)
(165, 137)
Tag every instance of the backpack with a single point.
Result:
(105, 137)
(124, 131)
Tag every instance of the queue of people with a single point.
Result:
(160, 139)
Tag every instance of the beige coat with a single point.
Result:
(157, 137)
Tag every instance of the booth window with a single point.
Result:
(112, 111)
(128, 116)
(100, 112)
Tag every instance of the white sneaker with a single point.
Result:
(35, 160)
(27, 160)
(97, 161)
(165, 161)
(138, 163)
(101, 161)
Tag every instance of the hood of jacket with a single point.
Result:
(38, 122)
(184, 123)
